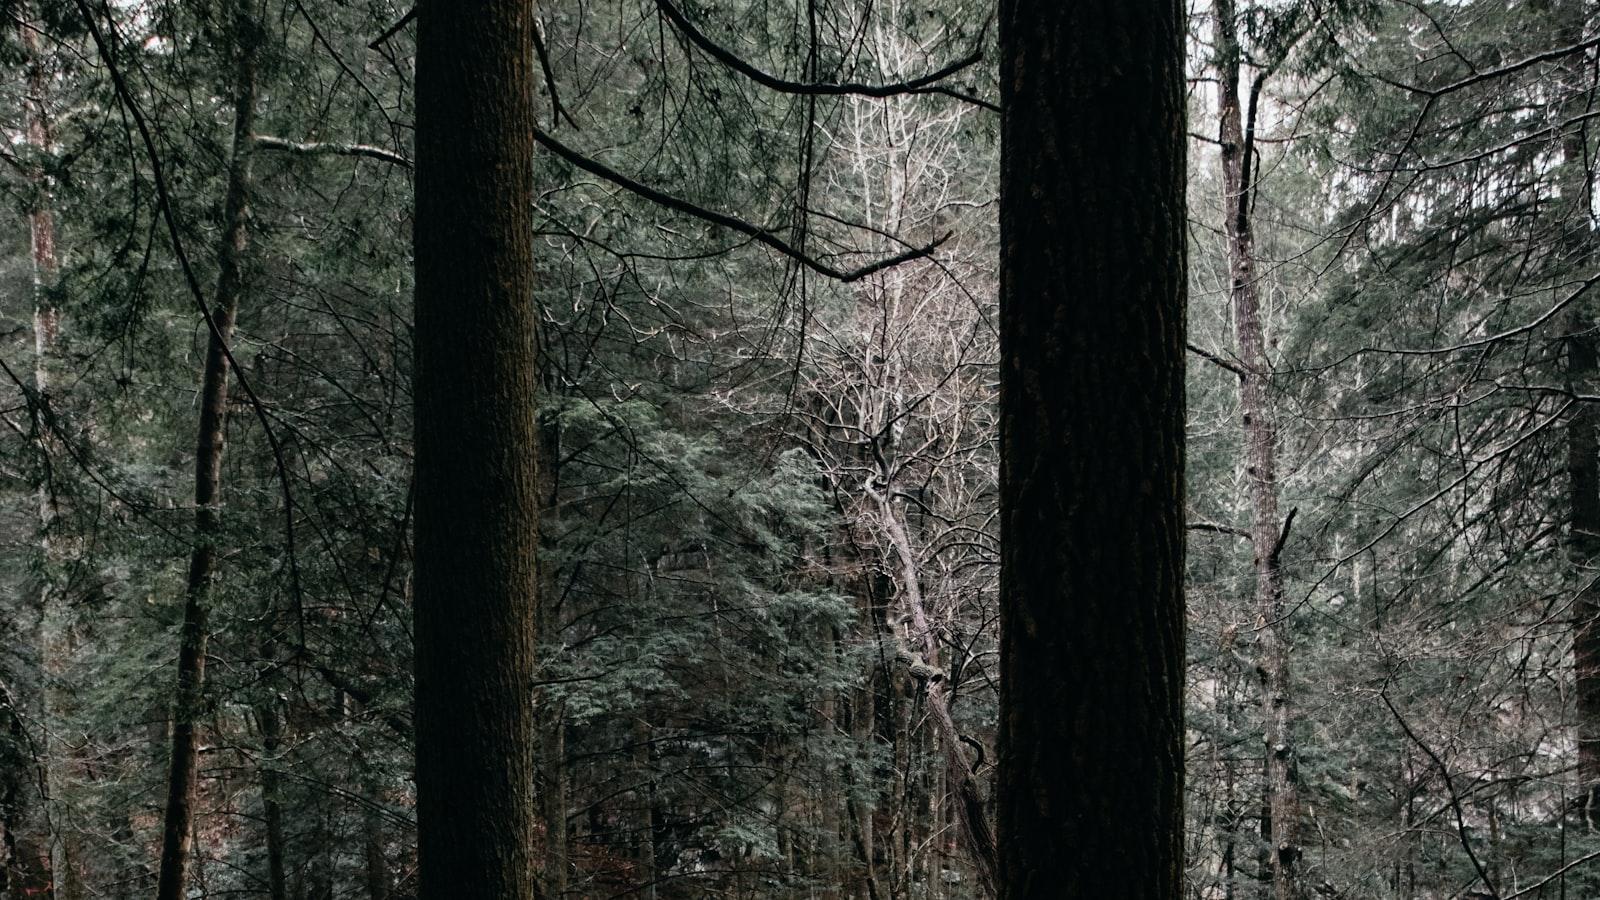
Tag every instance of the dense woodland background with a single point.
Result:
(768, 461)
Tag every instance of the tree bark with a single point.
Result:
(178, 826)
(27, 845)
(1092, 294)
(1576, 248)
(1261, 448)
(272, 799)
(476, 386)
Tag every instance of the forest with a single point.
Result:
(800, 449)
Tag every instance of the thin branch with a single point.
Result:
(393, 30)
(1283, 536)
(1537, 885)
(926, 84)
(1219, 528)
(1450, 787)
(1508, 69)
(557, 111)
(1210, 357)
(319, 148)
(755, 232)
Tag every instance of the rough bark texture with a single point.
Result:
(1583, 361)
(476, 450)
(27, 860)
(1282, 800)
(1092, 404)
(178, 825)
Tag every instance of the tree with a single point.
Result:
(178, 829)
(476, 486)
(1092, 396)
(1268, 530)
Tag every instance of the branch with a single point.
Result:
(1475, 78)
(1283, 536)
(317, 148)
(1450, 786)
(755, 232)
(393, 30)
(1218, 528)
(1208, 356)
(926, 84)
(1553, 876)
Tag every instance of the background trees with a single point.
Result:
(769, 534)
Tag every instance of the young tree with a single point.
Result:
(1237, 128)
(477, 440)
(178, 823)
(1091, 402)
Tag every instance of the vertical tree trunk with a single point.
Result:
(1260, 440)
(374, 862)
(272, 799)
(1092, 329)
(178, 825)
(27, 846)
(1583, 361)
(476, 387)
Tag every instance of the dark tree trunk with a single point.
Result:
(178, 825)
(1261, 465)
(476, 450)
(272, 799)
(1583, 361)
(1092, 411)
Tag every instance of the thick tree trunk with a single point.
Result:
(1092, 327)
(1583, 368)
(1260, 440)
(477, 509)
(178, 826)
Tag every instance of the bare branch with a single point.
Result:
(756, 232)
(318, 148)
(926, 84)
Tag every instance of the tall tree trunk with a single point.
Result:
(1260, 440)
(178, 826)
(27, 845)
(1092, 329)
(1583, 367)
(477, 509)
